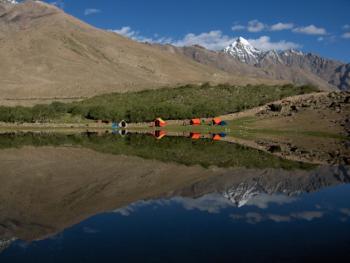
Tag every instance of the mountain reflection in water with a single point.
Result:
(139, 199)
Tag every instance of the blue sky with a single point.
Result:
(321, 26)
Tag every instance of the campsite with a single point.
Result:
(174, 131)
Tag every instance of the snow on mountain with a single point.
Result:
(253, 192)
(244, 51)
(243, 193)
(5, 243)
(289, 52)
(247, 53)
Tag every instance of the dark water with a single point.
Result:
(272, 211)
(312, 227)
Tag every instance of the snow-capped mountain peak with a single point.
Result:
(241, 195)
(243, 41)
(244, 51)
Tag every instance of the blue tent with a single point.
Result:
(115, 125)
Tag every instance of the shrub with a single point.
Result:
(170, 103)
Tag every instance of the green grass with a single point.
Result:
(170, 149)
(169, 103)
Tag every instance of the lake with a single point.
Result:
(139, 197)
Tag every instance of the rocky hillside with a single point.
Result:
(291, 65)
(341, 77)
(232, 65)
(291, 59)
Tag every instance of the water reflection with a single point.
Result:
(209, 228)
(205, 152)
(113, 193)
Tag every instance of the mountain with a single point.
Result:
(270, 67)
(242, 50)
(294, 60)
(63, 186)
(5, 243)
(244, 186)
(341, 77)
(291, 65)
(46, 53)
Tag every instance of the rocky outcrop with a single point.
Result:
(335, 101)
(341, 77)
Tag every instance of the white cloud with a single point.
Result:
(308, 215)
(263, 200)
(89, 230)
(279, 218)
(58, 3)
(345, 211)
(255, 26)
(127, 31)
(346, 27)
(265, 43)
(91, 11)
(212, 203)
(346, 35)
(281, 26)
(213, 40)
(216, 40)
(253, 218)
(310, 30)
(238, 27)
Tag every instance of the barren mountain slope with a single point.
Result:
(45, 53)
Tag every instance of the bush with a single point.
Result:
(170, 103)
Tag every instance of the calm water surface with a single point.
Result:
(93, 199)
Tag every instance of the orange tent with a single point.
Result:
(217, 121)
(196, 122)
(195, 135)
(159, 134)
(217, 137)
(159, 122)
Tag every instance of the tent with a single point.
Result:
(216, 121)
(159, 122)
(159, 134)
(196, 122)
(123, 133)
(115, 125)
(123, 124)
(195, 135)
(217, 137)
